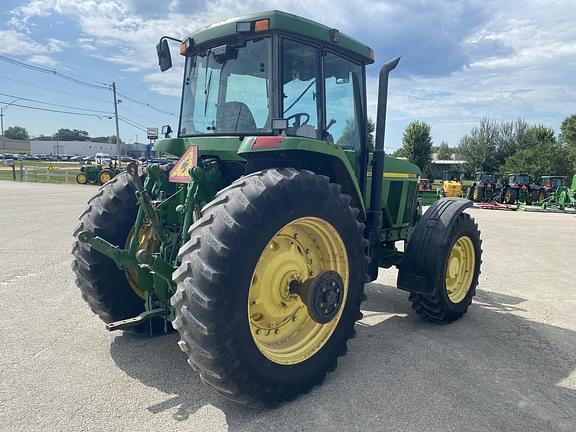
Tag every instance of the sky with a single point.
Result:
(461, 60)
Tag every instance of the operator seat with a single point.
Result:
(235, 116)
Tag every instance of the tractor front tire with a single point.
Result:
(82, 179)
(110, 214)
(456, 274)
(241, 326)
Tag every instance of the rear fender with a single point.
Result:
(416, 270)
(303, 154)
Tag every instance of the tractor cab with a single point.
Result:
(275, 89)
(551, 183)
(273, 74)
(485, 177)
(519, 180)
(452, 183)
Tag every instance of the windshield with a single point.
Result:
(488, 178)
(519, 179)
(227, 90)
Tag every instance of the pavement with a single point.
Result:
(508, 365)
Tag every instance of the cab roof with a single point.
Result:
(289, 23)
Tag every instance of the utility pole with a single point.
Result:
(117, 129)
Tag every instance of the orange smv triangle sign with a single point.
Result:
(181, 171)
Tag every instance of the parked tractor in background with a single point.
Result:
(256, 245)
(520, 188)
(424, 184)
(549, 185)
(452, 184)
(427, 194)
(96, 174)
(485, 188)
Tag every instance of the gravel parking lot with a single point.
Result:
(508, 365)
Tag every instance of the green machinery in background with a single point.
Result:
(549, 185)
(485, 187)
(96, 174)
(520, 188)
(561, 200)
(256, 245)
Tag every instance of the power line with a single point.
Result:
(133, 121)
(54, 72)
(56, 105)
(56, 111)
(123, 120)
(54, 91)
(137, 115)
(101, 86)
(125, 96)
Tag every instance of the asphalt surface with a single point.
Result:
(508, 365)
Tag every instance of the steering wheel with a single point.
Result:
(297, 117)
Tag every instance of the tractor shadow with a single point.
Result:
(492, 370)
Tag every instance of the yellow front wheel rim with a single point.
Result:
(460, 269)
(541, 196)
(82, 179)
(279, 322)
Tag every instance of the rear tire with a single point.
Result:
(105, 175)
(216, 278)
(510, 196)
(443, 306)
(110, 214)
(478, 194)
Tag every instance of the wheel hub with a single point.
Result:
(290, 316)
(322, 295)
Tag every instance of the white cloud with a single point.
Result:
(42, 60)
(18, 43)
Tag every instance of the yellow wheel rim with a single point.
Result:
(105, 177)
(279, 322)
(508, 196)
(541, 196)
(82, 178)
(148, 242)
(460, 269)
(476, 194)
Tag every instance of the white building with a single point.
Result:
(83, 148)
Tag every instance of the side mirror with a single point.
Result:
(166, 131)
(164, 56)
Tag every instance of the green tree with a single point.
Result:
(417, 145)
(568, 131)
(16, 132)
(349, 134)
(371, 131)
(478, 147)
(547, 157)
(444, 152)
(71, 135)
(568, 137)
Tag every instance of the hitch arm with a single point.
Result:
(121, 257)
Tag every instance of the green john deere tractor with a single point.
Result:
(95, 174)
(520, 188)
(485, 188)
(257, 243)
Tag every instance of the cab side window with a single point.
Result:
(343, 81)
